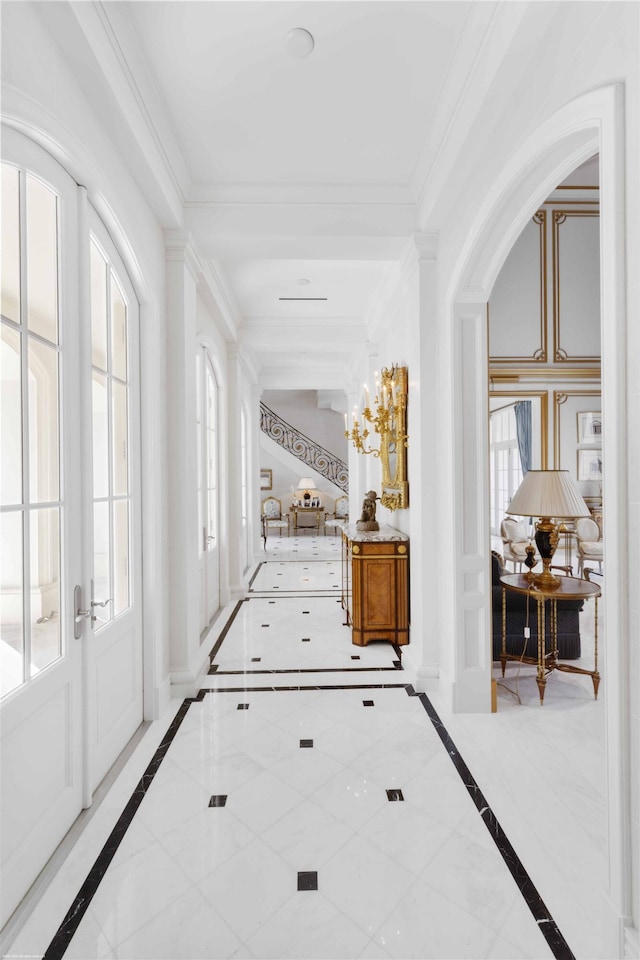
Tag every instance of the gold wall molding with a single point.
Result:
(560, 397)
(540, 354)
(558, 217)
(501, 375)
(543, 396)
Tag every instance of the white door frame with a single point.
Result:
(51, 702)
(593, 123)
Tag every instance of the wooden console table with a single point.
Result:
(570, 588)
(375, 584)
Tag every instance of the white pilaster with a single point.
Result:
(419, 287)
(182, 273)
(234, 469)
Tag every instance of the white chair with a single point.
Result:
(273, 517)
(590, 544)
(340, 513)
(514, 541)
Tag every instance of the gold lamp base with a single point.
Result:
(546, 541)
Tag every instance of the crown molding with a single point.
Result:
(375, 314)
(180, 248)
(120, 56)
(223, 297)
(477, 63)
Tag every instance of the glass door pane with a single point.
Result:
(30, 598)
(212, 458)
(42, 259)
(111, 439)
(11, 611)
(11, 243)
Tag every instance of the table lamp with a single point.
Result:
(307, 485)
(551, 495)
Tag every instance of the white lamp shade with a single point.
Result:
(548, 493)
(307, 483)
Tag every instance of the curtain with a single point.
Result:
(522, 411)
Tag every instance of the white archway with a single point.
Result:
(592, 123)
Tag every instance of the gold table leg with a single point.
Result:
(541, 679)
(595, 676)
(503, 652)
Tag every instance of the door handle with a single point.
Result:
(46, 619)
(82, 614)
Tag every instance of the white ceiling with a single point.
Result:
(288, 169)
(246, 112)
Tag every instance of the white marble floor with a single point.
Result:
(300, 766)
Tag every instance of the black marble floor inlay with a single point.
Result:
(306, 743)
(256, 659)
(547, 925)
(226, 629)
(308, 880)
(77, 910)
(394, 795)
(306, 611)
(306, 639)
(368, 703)
(213, 668)
(219, 800)
(242, 673)
(355, 658)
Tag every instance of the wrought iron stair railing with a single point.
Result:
(306, 450)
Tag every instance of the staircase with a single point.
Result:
(304, 449)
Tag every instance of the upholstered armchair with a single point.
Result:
(340, 513)
(514, 542)
(589, 541)
(273, 517)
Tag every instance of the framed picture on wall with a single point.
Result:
(590, 427)
(265, 479)
(590, 465)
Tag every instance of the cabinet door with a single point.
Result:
(379, 594)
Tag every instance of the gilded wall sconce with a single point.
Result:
(388, 417)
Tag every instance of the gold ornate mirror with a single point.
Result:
(394, 440)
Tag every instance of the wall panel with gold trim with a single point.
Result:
(517, 310)
(544, 309)
(576, 285)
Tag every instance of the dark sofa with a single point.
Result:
(568, 621)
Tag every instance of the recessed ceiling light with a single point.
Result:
(299, 42)
(302, 282)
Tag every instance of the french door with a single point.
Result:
(112, 510)
(69, 526)
(207, 447)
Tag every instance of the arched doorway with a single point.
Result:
(590, 124)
